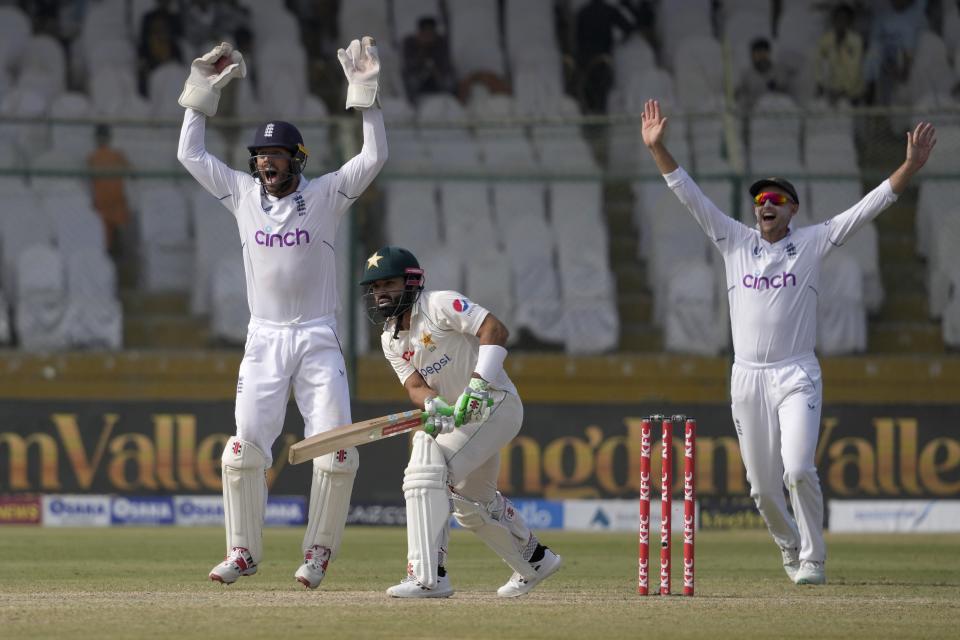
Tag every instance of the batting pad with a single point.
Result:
(428, 507)
(500, 526)
(333, 476)
(244, 495)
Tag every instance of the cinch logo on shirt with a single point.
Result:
(288, 239)
(760, 283)
(436, 366)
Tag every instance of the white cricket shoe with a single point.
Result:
(314, 567)
(238, 563)
(791, 563)
(811, 573)
(409, 587)
(517, 585)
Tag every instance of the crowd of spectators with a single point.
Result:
(863, 56)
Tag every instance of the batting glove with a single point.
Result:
(438, 417)
(361, 65)
(474, 403)
(208, 75)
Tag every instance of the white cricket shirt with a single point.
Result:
(288, 243)
(441, 344)
(773, 288)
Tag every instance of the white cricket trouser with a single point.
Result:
(472, 452)
(776, 411)
(277, 355)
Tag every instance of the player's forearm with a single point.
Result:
(900, 178)
(191, 147)
(374, 151)
(665, 162)
(418, 390)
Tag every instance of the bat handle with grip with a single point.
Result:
(448, 411)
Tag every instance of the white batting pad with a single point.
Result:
(428, 507)
(330, 491)
(244, 495)
(501, 527)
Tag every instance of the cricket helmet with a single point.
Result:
(392, 262)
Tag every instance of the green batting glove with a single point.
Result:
(474, 403)
(438, 417)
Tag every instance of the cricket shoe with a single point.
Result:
(410, 587)
(238, 563)
(791, 563)
(811, 573)
(546, 565)
(314, 566)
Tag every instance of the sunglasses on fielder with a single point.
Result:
(777, 199)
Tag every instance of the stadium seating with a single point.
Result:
(695, 320)
(164, 238)
(470, 192)
(41, 299)
(475, 37)
(841, 314)
(230, 314)
(93, 318)
(214, 236)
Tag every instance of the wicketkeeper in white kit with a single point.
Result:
(772, 275)
(443, 345)
(288, 226)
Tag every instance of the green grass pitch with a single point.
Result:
(151, 583)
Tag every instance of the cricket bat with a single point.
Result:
(358, 433)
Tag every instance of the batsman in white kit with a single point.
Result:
(288, 226)
(772, 275)
(443, 345)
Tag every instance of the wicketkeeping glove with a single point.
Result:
(361, 65)
(438, 417)
(208, 75)
(474, 403)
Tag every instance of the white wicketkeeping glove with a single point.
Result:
(361, 65)
(208, 75)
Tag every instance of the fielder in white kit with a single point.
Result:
(443, 345)
(288, 226)
(772, 274)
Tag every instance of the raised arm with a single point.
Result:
(653, 129)
(361, 65)
(200, 98)
(920, 143)
(719, 227)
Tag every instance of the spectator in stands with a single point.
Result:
(318, 28)
(160, 33)
(763, 76)
(839, 59)
(894, 30)
(164, 15)
(426, 62)
(773, 271)
(109, 198)
(597, 22)
(209, 21)
(45, 16)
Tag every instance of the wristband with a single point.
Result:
(490, 361)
